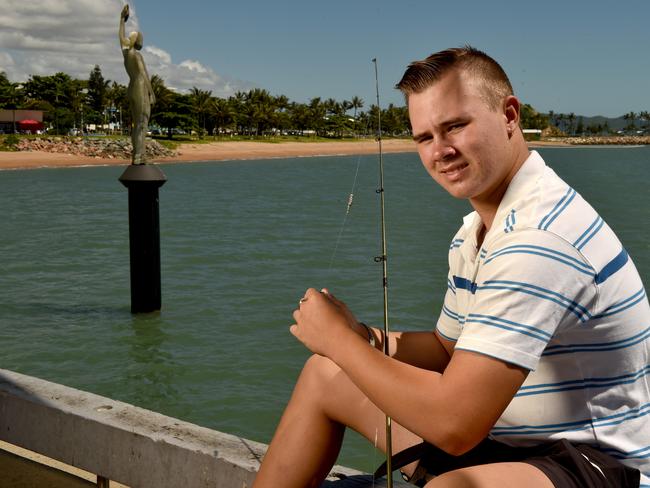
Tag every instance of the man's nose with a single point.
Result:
(443, 151)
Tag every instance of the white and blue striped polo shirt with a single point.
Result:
(552, 290)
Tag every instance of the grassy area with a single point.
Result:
(171, 144)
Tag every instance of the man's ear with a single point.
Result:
(511, 111)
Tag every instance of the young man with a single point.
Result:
(542, 344)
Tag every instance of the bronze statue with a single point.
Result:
(140, 93)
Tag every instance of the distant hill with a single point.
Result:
(615, 124)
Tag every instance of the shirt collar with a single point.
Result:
(520, 186)
(522, 183)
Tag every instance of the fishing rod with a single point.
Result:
(383, 259)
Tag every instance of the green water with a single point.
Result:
(240, 243)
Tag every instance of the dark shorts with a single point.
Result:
(565, 464)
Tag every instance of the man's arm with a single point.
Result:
(423, 349)
(453, 410)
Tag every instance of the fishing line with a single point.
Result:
(347, 212)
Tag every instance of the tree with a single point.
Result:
(52, 94)
(282, 118)
(11, 96)
(118, 104)
(78, 101)
(300, 116)
(317, 112)
(551, 117)
(357, 103)
(631, 118)
(223, 115)
(259, 110)
(201, 103)
(394, 121)
(160, 111)
(177, 114)
(571, 117)
(97, 91)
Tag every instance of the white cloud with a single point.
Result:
(193, 66)
(42, 37)
(163, 56)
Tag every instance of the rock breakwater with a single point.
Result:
(93, 147)
(602, 140)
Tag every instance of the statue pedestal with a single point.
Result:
(143, 181)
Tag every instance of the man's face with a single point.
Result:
(462, 142)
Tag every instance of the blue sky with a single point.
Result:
(586, 57)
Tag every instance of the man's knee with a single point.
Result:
(320, 369)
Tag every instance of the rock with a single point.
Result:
(97, 148)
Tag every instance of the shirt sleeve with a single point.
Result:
(530, 284)
(448, 325)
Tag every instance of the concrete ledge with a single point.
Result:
(128, 444)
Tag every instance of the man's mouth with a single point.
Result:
(454, 170)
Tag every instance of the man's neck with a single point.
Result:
(487, 207)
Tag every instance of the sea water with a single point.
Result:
(240, 242)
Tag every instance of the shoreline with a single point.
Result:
(206, 152)
(221, 151)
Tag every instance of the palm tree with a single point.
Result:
(571, 118)
(630, 116)
(317, 113)
(223, 114)
(282, 118)
(260, 109)
(300, 116)
(200, 102)
(551, 117)
(357, 103)
(78, 98)
(163, 96)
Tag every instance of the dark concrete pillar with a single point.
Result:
(143, 181)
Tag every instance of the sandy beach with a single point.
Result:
(215, 151)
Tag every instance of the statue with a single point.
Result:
(140, 93)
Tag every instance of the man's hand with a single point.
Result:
(323, 322)
(125, 13)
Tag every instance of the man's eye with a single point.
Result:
(455, 127)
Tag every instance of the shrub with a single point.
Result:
(10, 142)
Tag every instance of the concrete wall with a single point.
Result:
(131, 445)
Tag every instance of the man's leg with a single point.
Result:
(308, 438)
(498, 475)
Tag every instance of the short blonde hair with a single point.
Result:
(494, 82)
